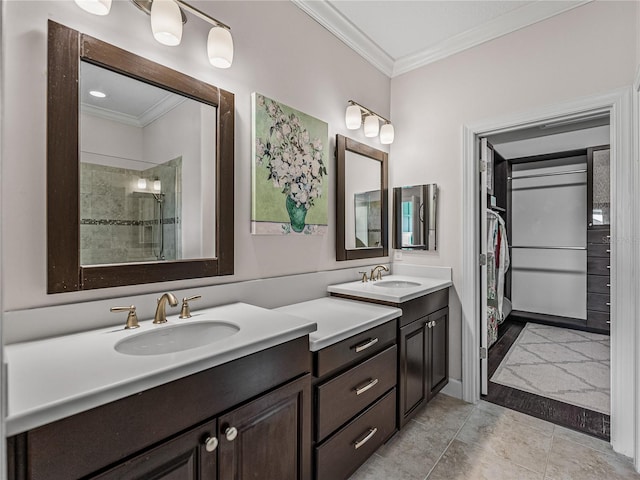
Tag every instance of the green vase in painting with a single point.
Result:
(297, 214)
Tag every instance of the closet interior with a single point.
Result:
(548, 298)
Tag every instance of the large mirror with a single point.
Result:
(415, 217)
(140, 169)
(361, 203)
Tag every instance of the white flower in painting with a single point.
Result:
(295, 163)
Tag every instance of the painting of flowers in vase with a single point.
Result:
(289, 170)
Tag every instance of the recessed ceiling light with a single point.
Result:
(97, 93)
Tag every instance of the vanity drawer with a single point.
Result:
(354, 349)
(598, 266)
(598, 302)
(598, 236)
(599, 284)
(350, 447)
(599, 320)
(598, 250)
(342, 397)
(419, 307)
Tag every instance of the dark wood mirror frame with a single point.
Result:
(344, 144)
(66, 48)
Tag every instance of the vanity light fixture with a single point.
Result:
(353, 119)
(167, 19)
(157, 185)
(97, 7)
(142, 184)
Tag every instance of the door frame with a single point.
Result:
(624, 229)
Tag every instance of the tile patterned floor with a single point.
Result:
(454, 440)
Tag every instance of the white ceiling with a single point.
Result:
(397, 36)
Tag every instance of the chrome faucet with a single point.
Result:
(161, 315)
(376, 272)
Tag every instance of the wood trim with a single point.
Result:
(550, 156)
(344, 144)
(63, 210)
(67, 48)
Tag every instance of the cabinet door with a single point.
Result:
(413, 372)
(191, 456)
(270, 437)
(438, 351)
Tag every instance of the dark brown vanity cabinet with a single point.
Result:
(355, 400)
(249, 418)
(423, 350)
(423, 361)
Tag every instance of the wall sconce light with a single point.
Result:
(167, 19)
(142, 184)
(353, 118)
(157, 185)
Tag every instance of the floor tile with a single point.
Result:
(542, 425)
(462, 461)
(504, 437)
(582, 439)
(569, 460)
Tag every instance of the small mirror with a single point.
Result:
(415, 217)
(361, 205)
(139, 172)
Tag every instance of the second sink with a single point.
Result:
(176, 338)
(396, 284)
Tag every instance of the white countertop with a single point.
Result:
(372, 290)
(54, 378)
(339, 319)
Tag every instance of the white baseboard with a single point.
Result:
(453, 388)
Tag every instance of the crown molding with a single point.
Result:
(331, 19)
(507, 23)
(156, 111)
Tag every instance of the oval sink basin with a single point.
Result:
(176, 338)
(396, 284)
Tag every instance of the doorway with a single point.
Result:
(623, 369)
(548, 340)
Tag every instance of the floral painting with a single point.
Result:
(289, 170)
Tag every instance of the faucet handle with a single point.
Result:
(132, 317)
(364, 277)
(185, 312)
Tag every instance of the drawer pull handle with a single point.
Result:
(608, 267)
(210, 444)
(609, 321)
(608, 304)
(368, 437)
(608, 251)
(364, 388)
(363, 346)
(608, 285)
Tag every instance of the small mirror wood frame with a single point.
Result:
(66, 48)
(344, 144)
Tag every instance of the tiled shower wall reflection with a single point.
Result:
(119, 222)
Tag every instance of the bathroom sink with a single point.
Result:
(396, 284)
(176, 338)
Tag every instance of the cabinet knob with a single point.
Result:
(231, 433)
(210, 444)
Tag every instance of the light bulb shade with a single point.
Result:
(142, 184)
(387, 134)
(97, 7)
(353, 117)
(166, 22)
(157, 185)
(371, 126)
(220, 47)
